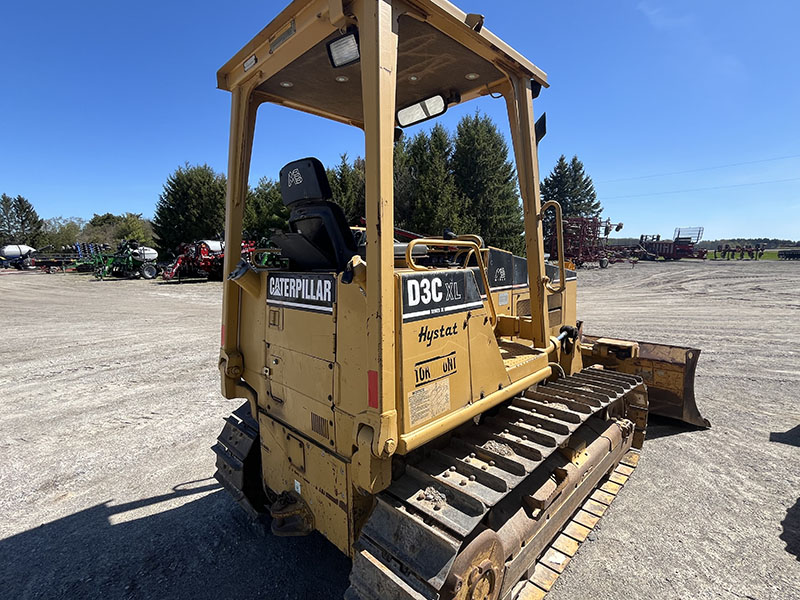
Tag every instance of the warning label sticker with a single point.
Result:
(429, 401)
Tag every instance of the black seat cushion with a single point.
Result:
(329, 242)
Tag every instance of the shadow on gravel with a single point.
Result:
(791, 530)
(658, 427)
(791, 437)
(202, 549)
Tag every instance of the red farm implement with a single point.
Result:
(586, 242)
(202, 259)
(684, 245)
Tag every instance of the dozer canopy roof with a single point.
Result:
(442, 52)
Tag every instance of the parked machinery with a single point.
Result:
(130, 260)
(683, 245)
(80, 257)
(202, 259)
(586, 242)
(789, 254)
(197, 259)
(12, 251)
(18, 256)
(451, 447)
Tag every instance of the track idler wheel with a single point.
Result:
(477, 572)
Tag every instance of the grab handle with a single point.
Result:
(560, 237)
(472, 247)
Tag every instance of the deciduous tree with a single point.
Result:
(133, 227)
(60, 232)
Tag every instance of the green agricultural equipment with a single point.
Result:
(129, 261)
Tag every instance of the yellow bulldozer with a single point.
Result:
(432, 408)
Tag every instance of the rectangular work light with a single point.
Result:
(343, 50)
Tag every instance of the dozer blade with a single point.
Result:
(668, 372)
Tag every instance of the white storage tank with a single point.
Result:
(15, 250)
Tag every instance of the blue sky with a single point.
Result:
(683, 112)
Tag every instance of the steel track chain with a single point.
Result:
(420, 523)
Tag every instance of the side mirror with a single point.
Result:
(421, 111)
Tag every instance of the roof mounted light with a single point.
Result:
(250, 63)
(422, 111)
(344, 50)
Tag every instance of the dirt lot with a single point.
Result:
(110, 405)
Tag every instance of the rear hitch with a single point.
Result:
(291, 516)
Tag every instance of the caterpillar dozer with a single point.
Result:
(432, 408)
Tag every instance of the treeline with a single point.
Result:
(463, 181)
(21, 224)
(769, 243)
(192, 207)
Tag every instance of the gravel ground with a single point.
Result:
(111, 403)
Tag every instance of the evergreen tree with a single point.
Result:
(348, 188)
(486, 178)
(403, 184)
(29, 225)
(265, 210)
(6, 220)
(570, 186)
(191, 207)
(19, 222)
(430, 201)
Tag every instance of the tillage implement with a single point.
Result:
(432, 408)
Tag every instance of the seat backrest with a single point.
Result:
(319, 237)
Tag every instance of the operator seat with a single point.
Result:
(319, 237)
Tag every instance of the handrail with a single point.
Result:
(472, 246)
(560, 236)
(471, 237)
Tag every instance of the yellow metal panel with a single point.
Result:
(312, 417)
(306, 332)
(303, 373)
(321, 480)
(486, 366)
(351, 347)
(251, 338)
(435, 369)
